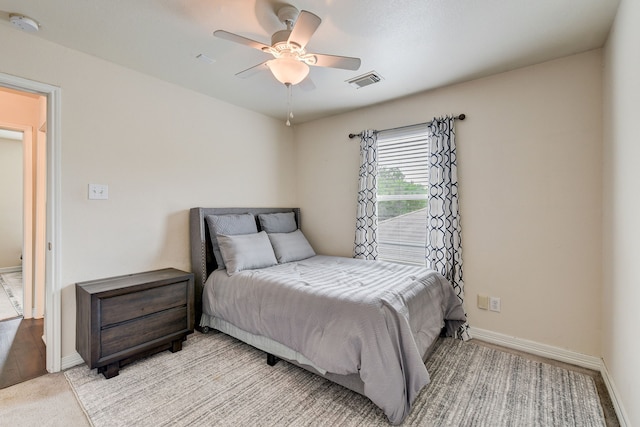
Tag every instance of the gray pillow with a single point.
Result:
(284, 222)
(290, 247)
(246, 251)
(229, 224)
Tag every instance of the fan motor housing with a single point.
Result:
(288, 14)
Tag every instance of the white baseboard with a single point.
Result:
(561, 355)
(615, 397)
(70, 361)
(10, 269)
(544, 350)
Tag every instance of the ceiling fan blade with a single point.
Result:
(245, 74)
(333, 61)
(306, 24)
(239, 39)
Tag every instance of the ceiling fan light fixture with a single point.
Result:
(288, 70)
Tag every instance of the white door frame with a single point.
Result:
(52, 318)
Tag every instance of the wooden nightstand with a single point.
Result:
(120, 319)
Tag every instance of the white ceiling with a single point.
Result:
(415, 45)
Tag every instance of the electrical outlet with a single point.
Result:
(483, 302)
(494, 304)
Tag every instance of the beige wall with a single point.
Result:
(621, 289)
(10, 203)
(530, 174)
(160, 148)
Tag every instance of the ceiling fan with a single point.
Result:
(290, 63)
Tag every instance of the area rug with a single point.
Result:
(11, 294)
(217, 380)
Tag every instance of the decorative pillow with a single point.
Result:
(291, 246)
(246, 251)
(284, 222)
(229, 224)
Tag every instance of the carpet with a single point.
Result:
(12, 295)
(45, 401)
(217, 380)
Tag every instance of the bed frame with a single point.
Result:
(203, 263)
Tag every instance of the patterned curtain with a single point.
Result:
(444, 246)
(366, 240)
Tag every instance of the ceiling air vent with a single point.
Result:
(365, 80)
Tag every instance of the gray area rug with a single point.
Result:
(11, 294)
(217, 380)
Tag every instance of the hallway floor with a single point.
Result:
(11, 295)
(22, 351)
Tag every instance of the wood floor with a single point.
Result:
(22, 351)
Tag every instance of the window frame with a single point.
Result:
(404, 147)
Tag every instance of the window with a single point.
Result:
(403, 178)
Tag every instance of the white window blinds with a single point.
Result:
(403, 177)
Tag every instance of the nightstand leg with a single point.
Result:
(176, 345)
(109, 371)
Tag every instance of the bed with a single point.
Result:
(366, 325)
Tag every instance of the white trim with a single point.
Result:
(532, 347)
(54, 227)
(562, 355)
(52, 321)
(15, 135)
(40, 217)
(72, 360)
(10, 269)
(623, 419)
(28, 183)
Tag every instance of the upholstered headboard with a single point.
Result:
(202, 260)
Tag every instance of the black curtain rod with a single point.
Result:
(353, 135)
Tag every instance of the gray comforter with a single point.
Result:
(347, 316)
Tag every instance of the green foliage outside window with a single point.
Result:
(391, 181)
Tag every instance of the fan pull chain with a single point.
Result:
(289, 104)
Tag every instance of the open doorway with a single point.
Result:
(11, 223)
(23, 117)
(47, 221)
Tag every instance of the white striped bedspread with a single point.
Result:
(346, 316)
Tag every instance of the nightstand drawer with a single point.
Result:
(143, 330)
(130, 306)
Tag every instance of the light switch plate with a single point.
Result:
(494, 304)
(98, 192)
